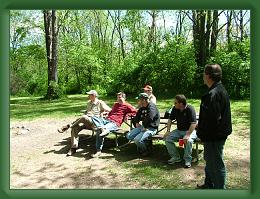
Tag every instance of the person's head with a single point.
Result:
(148, 89)
(92, 94)
(180, 101)
(143, 99)
(121, 97)
(212, 73)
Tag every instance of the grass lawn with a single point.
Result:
(154, 171)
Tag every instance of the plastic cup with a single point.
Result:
(181, 142)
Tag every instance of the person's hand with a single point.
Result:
(186, 138)
(166, 134)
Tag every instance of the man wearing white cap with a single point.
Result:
(95, 107)
(149, 90)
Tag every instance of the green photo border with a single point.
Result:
(7, 5)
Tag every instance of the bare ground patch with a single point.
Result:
(38, 160)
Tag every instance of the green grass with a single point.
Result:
(153, 171)
(28, 108)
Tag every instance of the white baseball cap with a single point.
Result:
(92, 92)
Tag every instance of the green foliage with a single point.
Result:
(161, 69)
(235, 68)
(54, 91)
(28, 74)
(90, 56)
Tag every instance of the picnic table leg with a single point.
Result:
(116, 140)
(197, 151)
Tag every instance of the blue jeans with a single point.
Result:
(100, 122)
(215, 170)
(139, 136)
(174, 136)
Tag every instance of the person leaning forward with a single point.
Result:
(149, 115)
(95, 107)
(185, 116)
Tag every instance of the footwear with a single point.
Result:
(187, 165)
(104, 132)
(96, 155)
(71, 151)
(203, 186)
(173, 161)
(63, 129)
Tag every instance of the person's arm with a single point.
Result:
(191, 129)
(137, 119)
(88, 109)
(169, 123)
(131, 111)
(168, 129)
(105, 109)
(193, 122)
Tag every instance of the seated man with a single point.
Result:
(95, 107)
(150, 117)
(185, 116)
(113, 121)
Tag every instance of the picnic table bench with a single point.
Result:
(157, 137)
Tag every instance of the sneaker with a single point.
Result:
(104, 132)
(63, 129)
(96, 155)
(173, 161)
(187, 165)
(71, 151)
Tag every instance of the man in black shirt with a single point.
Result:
(185, 116)
(214, 126)
(150, 117)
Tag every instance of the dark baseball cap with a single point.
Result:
(142, 96)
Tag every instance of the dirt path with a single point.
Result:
(38, 160)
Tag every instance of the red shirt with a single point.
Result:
(119, 111)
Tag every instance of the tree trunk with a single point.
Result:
(229, 26)
(208, 31)
(214, 33)
(51, 33)
(241, 25)
(152, 33)
(199, 19)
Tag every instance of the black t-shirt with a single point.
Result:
(184, 118)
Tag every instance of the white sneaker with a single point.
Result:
(187, 165)
(104, 132)
(173, 161)
(97, 154)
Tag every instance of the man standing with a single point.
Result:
(214, 126)
(95, 107)
(185, 116)
(114, 120)
(150, 117)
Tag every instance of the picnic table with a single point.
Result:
(157, 137)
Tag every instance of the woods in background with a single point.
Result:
(70, 51)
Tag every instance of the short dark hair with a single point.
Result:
(214, 71)
(181, 99)
(122, 94)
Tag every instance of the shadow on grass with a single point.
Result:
(127, 155)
